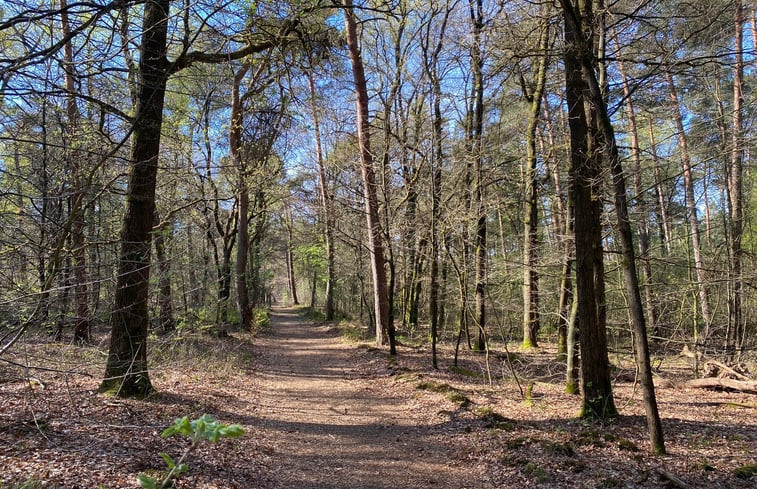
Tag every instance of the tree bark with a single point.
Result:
(606, 139)
(165, 298)
(82, 328)
(586, 194)
(126, 370)
(375, 238)
(476, 141)
(326, 204)
(531, 321)
(431, 61)
(666, 234)
(641, 204)
(243, 202)
(290, 256)
(736, 190)
(691, 207)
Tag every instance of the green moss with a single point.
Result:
(537, 472)
(571, 388)
(495, 420)
(746, 471)
(408, 377)
(452, 394)
(527, 344)
(609, 483)
(133, 387)
(627, 445)
(28, 484)
(466, 372)
(705, 466)
(519, 442)
(458, 397)
(529, 401)
(559, 449)
(594, 437)
(433, 386)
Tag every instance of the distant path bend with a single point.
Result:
(337, 428)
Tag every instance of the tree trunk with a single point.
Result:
(375, 238)
(476, 141)
(326, 205)
(431, 60)
(82, 329)
(641, 204)
(165, 298)
(531, 321)
(243, 202)
(691, 207)
(571, 346)
(666, 234)
(606, 139)
(586, 194)
(290, 258)
(126, 370)
(736, 190)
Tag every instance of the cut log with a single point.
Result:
(749, 386)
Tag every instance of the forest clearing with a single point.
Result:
(378, 243)
(321, 411)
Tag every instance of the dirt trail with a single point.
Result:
(334, 425)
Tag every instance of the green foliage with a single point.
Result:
(203, 429)
(261, 318)
(312, 257)
(312, 314)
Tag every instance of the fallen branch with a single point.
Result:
(726, 370)
(672, 479)
(717, 383)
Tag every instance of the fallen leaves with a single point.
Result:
(67, 436)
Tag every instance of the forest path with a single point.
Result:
(336, 426)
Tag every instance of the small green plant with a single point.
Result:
(203, 429)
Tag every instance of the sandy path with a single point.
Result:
(334, 426)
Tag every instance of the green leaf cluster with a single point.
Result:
(204, 428)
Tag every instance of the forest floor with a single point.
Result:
(322, 412)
